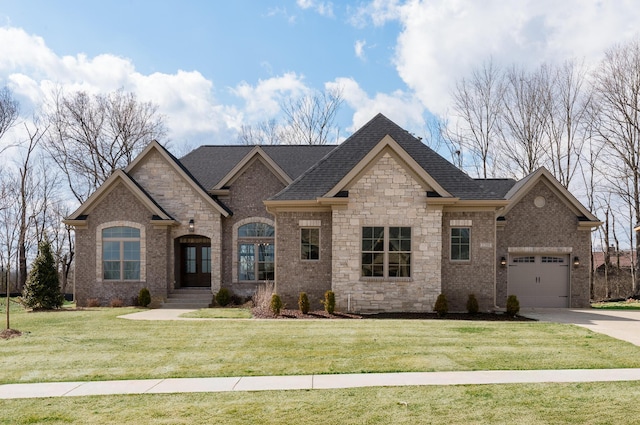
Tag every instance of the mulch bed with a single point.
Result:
(10, 333)
(260, 313)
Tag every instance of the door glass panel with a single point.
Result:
(190, 259)
(206, 259)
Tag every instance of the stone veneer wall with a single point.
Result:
(178, 198)
(387, 195)
(294, 275)
(246, 195)
(476, 276)
(119, 207)
(552, 226)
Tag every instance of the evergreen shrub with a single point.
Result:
(303, 302)
(441, 306)
(513, 305)
(144, 297)
(329, 302)
(472, 304)
(276, 304)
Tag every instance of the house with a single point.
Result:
(381, 219)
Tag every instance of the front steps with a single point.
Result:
(189, 298)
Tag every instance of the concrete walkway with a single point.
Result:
(312, 382)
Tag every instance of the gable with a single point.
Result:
(337, 168)
(164, 178)
(256, 154)
(387, 147)
(542, 176)
(119, 179)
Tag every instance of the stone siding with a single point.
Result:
(294, 275)
(120, 207)
(476, 276)
(552, 226)
(246, 195)
(387, 195)
(178, 198)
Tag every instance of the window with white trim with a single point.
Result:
(121, 253)
(386, 252)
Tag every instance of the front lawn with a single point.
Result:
(630, 304)
(94, 344)
(525, 404)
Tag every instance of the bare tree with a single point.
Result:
(310, 119)
(523, 121)
(29, 198)
(617, 120)
(9, 111)
(566, 101)
(478, 103)
(263, 133)
(92, 136)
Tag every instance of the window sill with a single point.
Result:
(385, 279)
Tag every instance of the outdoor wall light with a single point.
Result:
(576, 261)
(192, 225)
(503, 262)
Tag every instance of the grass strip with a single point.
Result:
(522, 404)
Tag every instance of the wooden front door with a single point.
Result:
(195, 264)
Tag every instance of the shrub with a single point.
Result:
(276, 304)
(472, 304)
(441, 306)
(144, 297)
(116, 302)
(303, 302)
(42, 289)
(262, 296)
(223, 297)
(329, 302)
(93, 302)
(513, 305)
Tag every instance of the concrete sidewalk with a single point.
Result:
(312, 382)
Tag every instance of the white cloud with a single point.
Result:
(321, 7)
(32, 70)
(376, 11)
(442, 40)
(402, 108)
(262, 100)
(359, 49)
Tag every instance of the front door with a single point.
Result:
(195, 263)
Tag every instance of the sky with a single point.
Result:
(213, 65)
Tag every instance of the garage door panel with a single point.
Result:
(540, 281)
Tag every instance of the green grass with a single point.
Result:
(220, 313)
(96, 345)
(530, 404)
(619, 305)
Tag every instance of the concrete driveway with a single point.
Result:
(620, 324)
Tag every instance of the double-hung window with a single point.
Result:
(121, 253)
(310, 243)
(386, 251)
(460, 244)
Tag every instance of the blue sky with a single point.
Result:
(212, 66)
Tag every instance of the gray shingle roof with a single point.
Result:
(324, 175)
(498, 186)
(211, 163)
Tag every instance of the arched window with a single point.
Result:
(121, 253)
(255, 252)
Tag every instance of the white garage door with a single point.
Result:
(539, 280)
